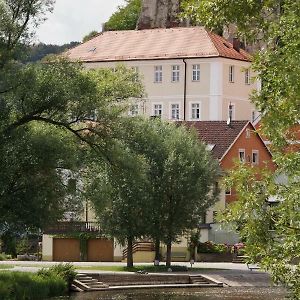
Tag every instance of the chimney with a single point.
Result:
(236, 44)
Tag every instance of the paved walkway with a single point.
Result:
(225, 266)
(229, 273)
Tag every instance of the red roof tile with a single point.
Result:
(149, 44)
(217, 133)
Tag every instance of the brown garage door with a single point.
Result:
(66, 250)
(100, 250)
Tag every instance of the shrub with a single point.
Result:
(209, 247)
(26, 286)
(3, 256)
(23, 246)
(65, 271)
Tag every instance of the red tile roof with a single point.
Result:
(217, 133)
(190, 42)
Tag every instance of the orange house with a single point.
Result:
(229, 142)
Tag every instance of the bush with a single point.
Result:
(4, 256)
(65, 271)
(26, 286)
(209, 247)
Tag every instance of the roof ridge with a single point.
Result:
(208, 32)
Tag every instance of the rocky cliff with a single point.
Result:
(159, 14)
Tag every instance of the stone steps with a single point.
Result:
(84, 282)
(241, 259)
(203, 280)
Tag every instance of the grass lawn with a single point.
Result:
(147, 268)
(136, 268)
(5, 267)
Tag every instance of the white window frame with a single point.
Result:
(156, 109)
(158, 74)
(231, 74)
(196, 73)
(199, 107)
(228, 192)
(257, 153)
(247, 76)
(242, 151)
(178, 111)
(233, 111)
(175, 76)
(133, 110)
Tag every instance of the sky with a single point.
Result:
(71, 20)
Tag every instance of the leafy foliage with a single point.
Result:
(50, 113)
(163, 187)
(89, 36)
(23, 286)
(271, 232)
(40, 51)
(209, 247)
(126, 17)
(65, 271)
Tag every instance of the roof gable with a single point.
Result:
(218, 133)
(172, 43)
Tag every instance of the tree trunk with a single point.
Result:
(169, 248)
(129, 252)
(157, 249)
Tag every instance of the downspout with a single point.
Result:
(184, 90)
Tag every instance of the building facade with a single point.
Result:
(189, 73)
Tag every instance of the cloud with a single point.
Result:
(73, 19)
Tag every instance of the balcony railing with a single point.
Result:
(73, 227)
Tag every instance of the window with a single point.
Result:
(196, 111)
(196, 73)
(231, 73)
(134, 110)
(231, 111)
(175, 111)
(242, 155)
(158, 74)
(247, 76)
(255, 157)
(248, 133)
(157, 110)
(175, 73)
(228, 191)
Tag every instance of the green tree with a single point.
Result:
(126, 17)
(119, 193)
(89, 36)
(182, 175)
(49, 113)
(277, 25)
(164, 189)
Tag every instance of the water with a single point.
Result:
(239, 293)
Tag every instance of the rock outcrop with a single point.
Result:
(159, 14)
